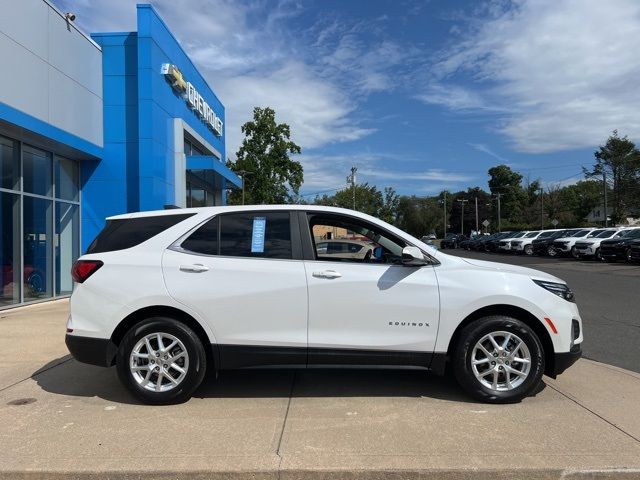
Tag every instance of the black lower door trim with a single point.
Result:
(247, 356)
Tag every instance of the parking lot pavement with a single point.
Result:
(608, 296)
(68, 420)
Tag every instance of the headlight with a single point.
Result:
(559, 289)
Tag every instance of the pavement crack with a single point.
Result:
(568, 397)
(286, 416)
(42, 370)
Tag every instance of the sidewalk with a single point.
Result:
(62, 419)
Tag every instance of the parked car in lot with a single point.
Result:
(165, 296)
(619, 248)
(471, 241)
(504, 244)
(524, 243)
(590, 246)
(452, 240)
(566, 245)
(344, 248)
(635, 251)
(543, 245)
(492, 244)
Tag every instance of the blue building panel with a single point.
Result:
(138, 166)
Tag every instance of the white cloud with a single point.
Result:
(565, 70)
(253, 55)
(481, 147)
(329, 172)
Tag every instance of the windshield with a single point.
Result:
(606, 234)
(531, 234)
(547, 234)
(595, 233)
(518, 235)
(581, 233)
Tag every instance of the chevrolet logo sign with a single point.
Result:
(174, 77)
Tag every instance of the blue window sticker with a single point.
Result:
(257, 237)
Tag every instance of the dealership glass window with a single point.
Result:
(67, 245)
(66, 179)
(9, 249)
(36, 246)
(9, 163)
(36, 171)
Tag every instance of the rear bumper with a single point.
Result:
(94, 351)
(564, 360)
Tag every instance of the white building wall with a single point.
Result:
(50, 69)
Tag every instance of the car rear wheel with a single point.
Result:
(528, 250)
(498, 359)
(161, 361)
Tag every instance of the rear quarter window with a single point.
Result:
(128, 232)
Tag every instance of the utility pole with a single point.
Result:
(462, 202)
(541, 209)
(351, 179)
(444, 215)
(476, 215)
(242, 175)
(499, 214)
(604, 186)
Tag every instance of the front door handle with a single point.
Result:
(196, 268)
(327, 274)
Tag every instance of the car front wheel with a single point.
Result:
(528, 250)
(161, 361)
(499, 359)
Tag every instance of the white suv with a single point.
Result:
(590, 246)
(566, 245)
(166, 295)
(504, 245)
(525, 243)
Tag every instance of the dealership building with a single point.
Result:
(92, 126)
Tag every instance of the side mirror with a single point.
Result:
(413, 257)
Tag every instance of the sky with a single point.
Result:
(420, 96)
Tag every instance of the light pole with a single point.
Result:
(604, 186)
(444, 214)
(462, 202)
(497, 195)
(242, 175)
(541, 209)
(477, 216)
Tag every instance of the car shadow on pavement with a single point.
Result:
(68, 377)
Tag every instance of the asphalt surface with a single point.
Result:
(608, 296)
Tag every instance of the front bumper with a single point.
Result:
(564, 360)
(94, 351)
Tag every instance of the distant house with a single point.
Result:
(597, 216)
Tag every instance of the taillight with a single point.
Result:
(83, 269)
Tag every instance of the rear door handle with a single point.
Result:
(196, 268)
(327, 274)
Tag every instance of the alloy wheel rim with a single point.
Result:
(159, 362)
(501, 361)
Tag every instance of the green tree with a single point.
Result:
(506, 183)
(265, 153)
(368, 199)
(419, 215)
(619, 160)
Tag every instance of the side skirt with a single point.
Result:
(231, 357)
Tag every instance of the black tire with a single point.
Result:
(551, 251)
(461, 361)
(628, 255)
(597, 255)
(528, 250)
(574, 253)
(197, 360)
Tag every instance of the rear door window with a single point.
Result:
(246, 234)
(128, 232)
